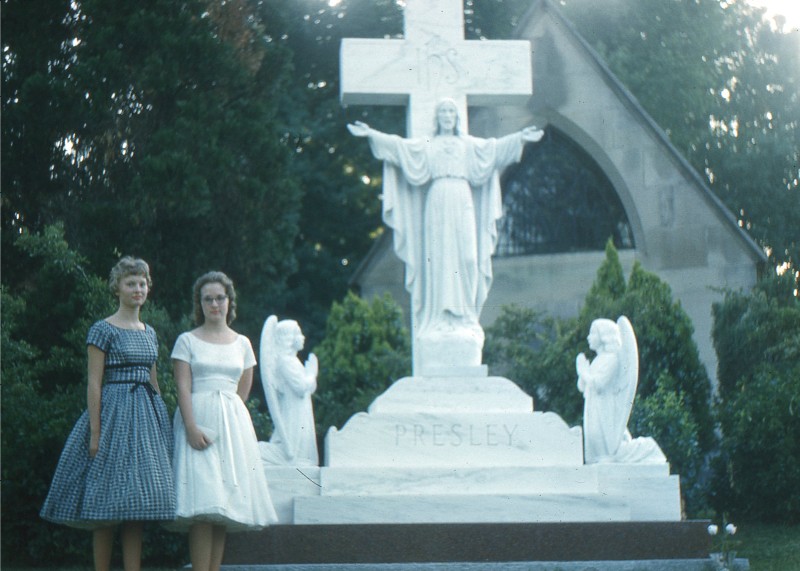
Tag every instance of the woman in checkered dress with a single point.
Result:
(116, 464)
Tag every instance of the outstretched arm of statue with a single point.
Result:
(532, 134)
(358, 129)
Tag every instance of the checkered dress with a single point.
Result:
(130, 478)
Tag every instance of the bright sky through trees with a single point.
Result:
(790, 9)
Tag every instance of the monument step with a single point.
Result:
(463, 394)
(458, 508)
(369, 545)
(444, 481)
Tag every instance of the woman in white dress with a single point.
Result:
(219, 479)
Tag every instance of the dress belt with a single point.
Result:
(149, 389)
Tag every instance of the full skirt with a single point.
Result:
(130, 478)
(224, 484)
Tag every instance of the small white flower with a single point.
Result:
(712, 529)
(730, 528)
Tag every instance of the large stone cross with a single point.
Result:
(434, 61)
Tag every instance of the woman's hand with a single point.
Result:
(94, 444)
(197, 439)
(358, 129)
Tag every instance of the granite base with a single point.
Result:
(649, 565)
(451, 543)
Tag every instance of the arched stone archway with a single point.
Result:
(557, 199)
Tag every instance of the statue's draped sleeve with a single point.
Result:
(293, 376)
(486, 158)
(406, 171)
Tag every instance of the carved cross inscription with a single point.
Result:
(434, 61)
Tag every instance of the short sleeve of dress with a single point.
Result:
(182, 350)
(100, 335)
(249, 356)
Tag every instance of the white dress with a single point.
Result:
(225, 483)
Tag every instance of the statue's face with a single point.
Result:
(594, 338)
(298, 339)
(447, 116)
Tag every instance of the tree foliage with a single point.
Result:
(340, 213)
(757, 337)
(365, 349)
(163, 140)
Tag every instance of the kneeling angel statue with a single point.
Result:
(608, 383)
(288, 385)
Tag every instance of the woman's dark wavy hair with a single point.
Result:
(213, 278)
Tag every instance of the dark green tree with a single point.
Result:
(757, 337)
(340, 211)
(169, 147)
(366, 348)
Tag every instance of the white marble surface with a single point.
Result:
(458, 509)
(453, 394)
(649, 489)
(466, 450)
(434, 60)
(513, 480)
(287, 483)
(418, 72)
(455, 440)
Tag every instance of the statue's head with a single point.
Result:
(604, 334)
(289, 336)
(446, 116)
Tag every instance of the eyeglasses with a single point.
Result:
(220, 299)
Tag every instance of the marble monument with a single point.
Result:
(452, 444)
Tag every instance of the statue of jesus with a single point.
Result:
(441, 198)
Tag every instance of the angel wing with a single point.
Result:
(628, 366)
(268, 358)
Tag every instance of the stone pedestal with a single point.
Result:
(447, 352)
(466, 449)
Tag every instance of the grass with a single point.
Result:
(769, 547)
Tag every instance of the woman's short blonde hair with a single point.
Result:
(128, 266)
